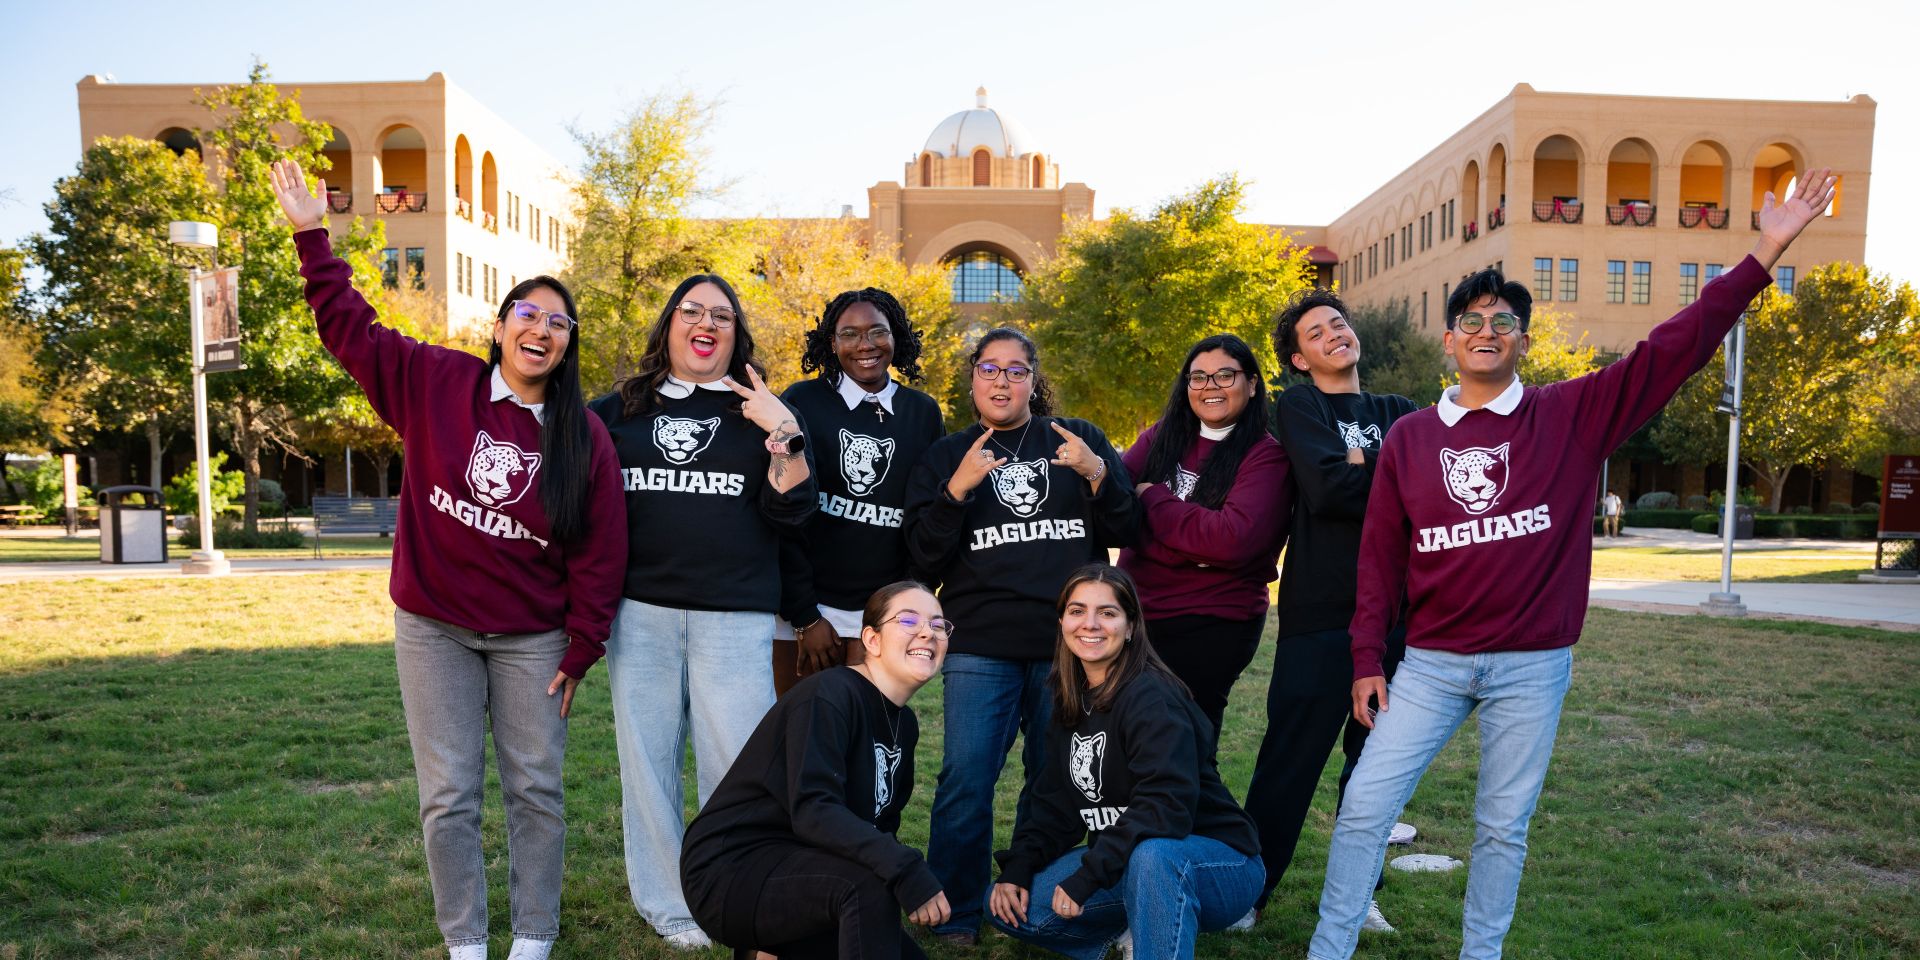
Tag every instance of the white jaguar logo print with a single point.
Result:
(1476, 476)
(1084, 767)
(1183, 482)
(681, 440)
(864, 461)
(499, 473)
(886, 760)
(1354, 435)
(1021, 486)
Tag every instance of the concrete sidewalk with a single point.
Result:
(1691, 542)
(1889, 606)
(242, 567)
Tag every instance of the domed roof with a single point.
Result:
(983, 126)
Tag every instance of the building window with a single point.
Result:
(1423, 309)
(926, 169)
(1543, 278)
(1389, 241)
(1714, 270)
(1689, 283)
(1039, 173)
(417, 267)
(1616, 281)
(982, 168)
(1642, 281)
(1569, 280)
(390, 267)
(1445, 295)
(1783, 277)
(984, 277)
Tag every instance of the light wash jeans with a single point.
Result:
(672, 671)
(1172, 891)
(1518, 695)
(453, 683)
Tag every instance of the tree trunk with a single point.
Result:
(1776, 480)
(156, 448)
(382, 459)
(247, 442)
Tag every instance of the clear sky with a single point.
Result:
(1315, 104)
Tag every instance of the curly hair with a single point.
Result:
(820, 355)
(1040, 401)
(1286, 338)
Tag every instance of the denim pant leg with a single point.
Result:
(443, 691)
(530, 743)
(1084, 937)
(1426, 702)
(647, 674)
(1036, 710)
(983, 699)
(1174, 889)
(729, 687)
(1521, 693)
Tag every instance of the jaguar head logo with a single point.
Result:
(499, 473)
(1182, 482)
(1085, 765)
(864, 461)
(1355, 435)
(1021, 486)
(1475, 476)
(886, 760)
(682, 440)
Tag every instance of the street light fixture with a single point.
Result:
(196, 235)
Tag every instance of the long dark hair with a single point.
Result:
(638, 392)
(1071, 698)
(1040, 401)
(820, 354)
(1179, 425)
(566, 449)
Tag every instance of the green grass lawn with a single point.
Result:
(51, 550)
(220, 769)
(1758, 566)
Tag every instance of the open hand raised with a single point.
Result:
(304, 208)
(1780, 222)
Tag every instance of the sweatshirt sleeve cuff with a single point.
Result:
(1079, 886)
(1367, 662)
(917, 887)
(313, 243)
(1017, 872)
(580, 657)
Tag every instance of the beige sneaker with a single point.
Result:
(1375, 921)
(692, 938)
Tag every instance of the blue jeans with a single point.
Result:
(987, 700)
(1172, 891)
(674, 671)
(1518, 695)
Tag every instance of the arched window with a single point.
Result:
(1039, 172)
(178, 140)
(463, 177)
(984, 276)
(982, 168)
(926, 169)
(404, 183)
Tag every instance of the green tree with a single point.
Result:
(1122, 301)
(1554, 355)
(1395, 357)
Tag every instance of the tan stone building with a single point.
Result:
(471, 206)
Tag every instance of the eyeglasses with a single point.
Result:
(1222, 378)
(941, 626)
(530, 314)
(691, 312)
(1503, 322)
(874, 335)
(992, 371)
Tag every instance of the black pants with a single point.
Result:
(1309, 699)
(813, 904)
(1207, 654)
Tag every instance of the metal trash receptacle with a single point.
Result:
(132, 532)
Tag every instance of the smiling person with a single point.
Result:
(1000, 513)
(796, 852)
(506, 565)
(1167, 853)
(1481, 515)
(715, 469)
(1215, 498)
(870, 431)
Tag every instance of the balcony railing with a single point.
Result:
(1558, 211)
(1496, 218)
(1756, 219)
(490, 222)
(339, 201)
(400, 202)
(1630, 214)
(463, 207)
(1470, 231)
(1709, 217)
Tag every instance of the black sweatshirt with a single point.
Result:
(1321, 569)
(853, 545)
(830, 766)
(1143, 769)
(702, 520)
(1002, 555)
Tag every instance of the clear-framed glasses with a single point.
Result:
(941, 626)
(529, 313)
(1222, 378)
(1503, 322)
(874, 335)
(690, 312)
(992, 371)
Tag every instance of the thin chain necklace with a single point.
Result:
(893, 722)
(1015, 452)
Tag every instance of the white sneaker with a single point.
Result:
(468, 951)
(1403, 834)
(1244, 923)
(692, 938)
(524, 949)
(1375, 921)
(1123, 944)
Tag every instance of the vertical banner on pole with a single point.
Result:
(70, 472)
(218, 293)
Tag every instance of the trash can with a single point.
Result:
(133, 525)
(1742, 522)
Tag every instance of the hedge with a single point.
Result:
(1775, 525)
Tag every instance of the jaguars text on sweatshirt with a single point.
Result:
(1486, 523)
(703, 523)
(473, 547)
(1140, 770)
(854, 543)
(1191, 559)
(830, 766)
(1001, 555)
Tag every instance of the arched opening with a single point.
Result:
(1497, 186)
(983, 275)
(926, 169)
(339, 173)
(1470, 199)
(1775, 168)
(404, 184)
(982, 168)
(1705, 183)
(463, 177)
(1630, 184)
(1556, 180)
(179, 140)
(1039, 172)
(489, 193)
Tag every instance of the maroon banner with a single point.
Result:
(1900, 496)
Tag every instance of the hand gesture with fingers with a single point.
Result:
(1075, 455)
(932, 913)
(1780, 222)
(1063, 905)
(563, 685)
(1365, 691)
(973, 467)
(304, 208)
(762, 407)
(1009, 903)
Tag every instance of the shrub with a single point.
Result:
(1838, 509)
(1706, 523)
(44, 488)
(273, 498)
(228, 535)
(1697, 503)
(1803, 510)
(1657, 500)
(1664, 519)
(224, 487)
(1793, 525)
(1868, 506)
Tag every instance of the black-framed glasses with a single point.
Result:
(1223, 378)
(530, 313)
(874, 335)
(992, 371)
(941, 626)
(691, 312)
(1503, 322)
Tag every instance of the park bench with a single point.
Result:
(19, 514)
(354, 515)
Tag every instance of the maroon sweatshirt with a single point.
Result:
(1194, 560)
(1488, 523)
(473, 546)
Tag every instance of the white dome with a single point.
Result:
(983, 126)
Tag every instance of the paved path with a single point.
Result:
(1690, 541)
(247, 567)
(1890, 605)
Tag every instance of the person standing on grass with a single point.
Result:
(506, 568)
(1480, 517)
(871, 430)
(716, 472)
(1332, 432)
(1167, 854)
(1000, 513)
(796, 853)
(1611, 509)
(1215, 496)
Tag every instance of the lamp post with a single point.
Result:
(195, 235)
(1726, 603)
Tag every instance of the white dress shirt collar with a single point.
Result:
(503, 392)
(678, 389)
(1451, 411)
(855, 394)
